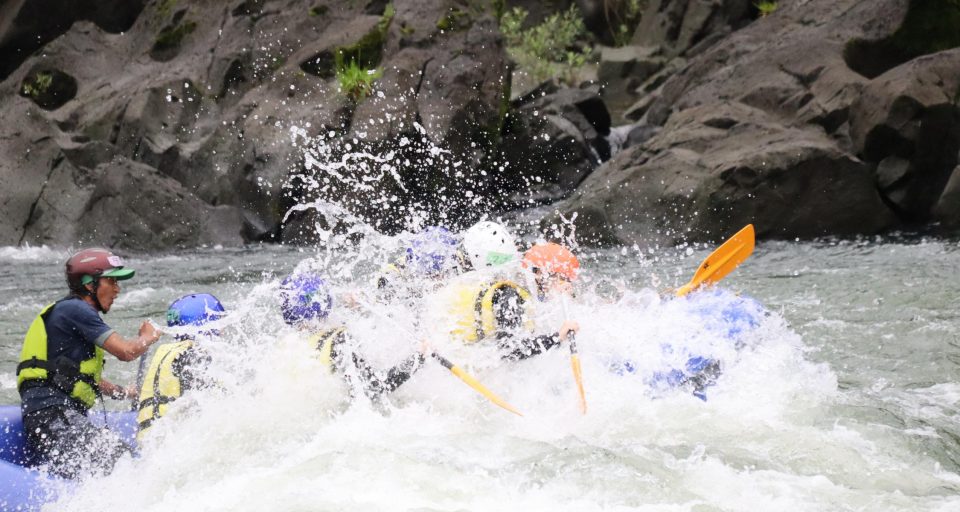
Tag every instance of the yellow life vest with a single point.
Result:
(389, 274)
(323, 342)
(80, 381)
(472, 310)
(160, 385)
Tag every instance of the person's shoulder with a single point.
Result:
(74, 306)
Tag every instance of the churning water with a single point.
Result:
(843, 397)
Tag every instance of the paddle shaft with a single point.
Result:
(141, 368)
(575, 358)
(454, 369)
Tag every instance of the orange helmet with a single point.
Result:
(553, 259)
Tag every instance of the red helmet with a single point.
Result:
(553, 259)
(88, 265)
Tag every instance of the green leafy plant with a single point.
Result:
(628, 13)
(766, 7)
(453, 19)
(38, 85)
(165, 7)
(550, 49)
(355, 80)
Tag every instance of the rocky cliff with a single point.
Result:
(174, 123)
(822, 118)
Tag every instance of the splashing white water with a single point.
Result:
(279, 433)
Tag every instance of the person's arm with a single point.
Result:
(374, 383)
(509, 314)
(128, 350)
(116, 392)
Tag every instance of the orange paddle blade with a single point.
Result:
(722, 261)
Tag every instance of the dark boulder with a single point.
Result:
(947, 210)
(158, 213)
(772, 126)
(552, 141)
(725, 165)
(28, 154)
(907, 123)
(623, 70)
(679, 25)
(27, 25)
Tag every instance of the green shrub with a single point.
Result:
(628, 18)
(766, 7)
(355, 81)
(453, 19)
(38, 85)
(549, 49)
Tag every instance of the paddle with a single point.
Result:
(140, 370)
(454, 369)
(721, 261)
(575, 360)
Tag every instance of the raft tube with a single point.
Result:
(729, 316)
(24, 488)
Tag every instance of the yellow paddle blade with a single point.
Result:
(578, 376)
(722, 261)
(474, 383)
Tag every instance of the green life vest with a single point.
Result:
(80, 381)
(160, 385)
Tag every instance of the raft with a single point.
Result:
(727, 316)
(24, 488)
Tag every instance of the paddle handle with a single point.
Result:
(141, 369)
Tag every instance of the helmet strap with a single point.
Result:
(93, 294)
(540, 277)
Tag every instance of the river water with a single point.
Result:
(845, 396)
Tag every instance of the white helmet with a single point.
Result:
(489, 244)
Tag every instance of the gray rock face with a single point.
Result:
(209, 96)
(557, 137)
(907, 122)
(26, 25)
(947, 210)
(163, 124)
(159, 212)
(436, 115)
(722, 166)
(623, 70)
(771, 126)
(679, 25)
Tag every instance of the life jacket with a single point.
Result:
(80, 380)
(323, 342)
(160, 385)
(472, 309)
(389, 275)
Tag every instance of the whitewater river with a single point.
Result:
(845, 395)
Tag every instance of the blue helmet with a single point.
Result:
(195, 309)
(432, 251)
(304, 297)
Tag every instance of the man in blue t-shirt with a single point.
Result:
(59, 375)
